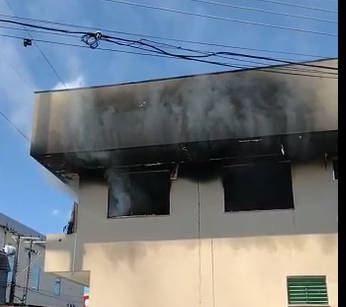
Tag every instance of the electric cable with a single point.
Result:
(93, 40)
(39, 49)
(172, 47)
(14, 125)
(220, 18)
(8, 62)
(305, 7)
(277, 70)
(259, 64)
(255, 9)
(313, 56)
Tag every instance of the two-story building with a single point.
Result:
(33, 286)
(215, 190)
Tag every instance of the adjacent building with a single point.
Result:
(213, 190)
(39, 288)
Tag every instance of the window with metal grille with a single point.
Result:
(310, 290)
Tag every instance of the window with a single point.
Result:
(139, 194)
(11, 263)
(311, 290)
(57, 286)
(336, 169)
(35, 278)
(266, 186)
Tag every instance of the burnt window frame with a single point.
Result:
(133, 173)
(291, 207)
(335, 163)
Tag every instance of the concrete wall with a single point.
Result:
(44, 296)
(200, 256)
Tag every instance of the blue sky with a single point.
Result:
(30, 194)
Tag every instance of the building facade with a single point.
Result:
(40, 289)
(245, 220)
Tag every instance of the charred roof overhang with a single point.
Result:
(195, 119)
(295, 147)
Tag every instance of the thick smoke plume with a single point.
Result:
(120, 203)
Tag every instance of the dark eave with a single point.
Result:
(295, 147)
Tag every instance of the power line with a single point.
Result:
(318, 9)
(93, 40)
(255, 9)
(39, 49)
(14, 126)
(313, 56)
(171, 46)
(275, 70)
(259, 64)
(167, 45)
(220, 18)
(8, 62)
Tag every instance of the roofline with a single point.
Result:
(187, 76)
(29, 231)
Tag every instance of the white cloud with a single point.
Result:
(56, 212)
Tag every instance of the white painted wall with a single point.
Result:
(239, 259)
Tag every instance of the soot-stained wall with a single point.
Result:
(202, 108)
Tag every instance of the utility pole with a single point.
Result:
(31, 251)
(5, 228)
(19, 238)
(15, 268)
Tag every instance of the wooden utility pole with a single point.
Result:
(30, 251)
(15, 269)
(5, 228)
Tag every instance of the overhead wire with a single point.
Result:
(255, 9)
(208, 54)
(14, 125)
(93, 40)
(276, 70)
(259, 64)
(17, 72)
(2, 114)
(192, 42)
(39, 49)
(300, 6)
(220, 18)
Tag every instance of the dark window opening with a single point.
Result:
(336, 169)
(139, 194)
(258, 187)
